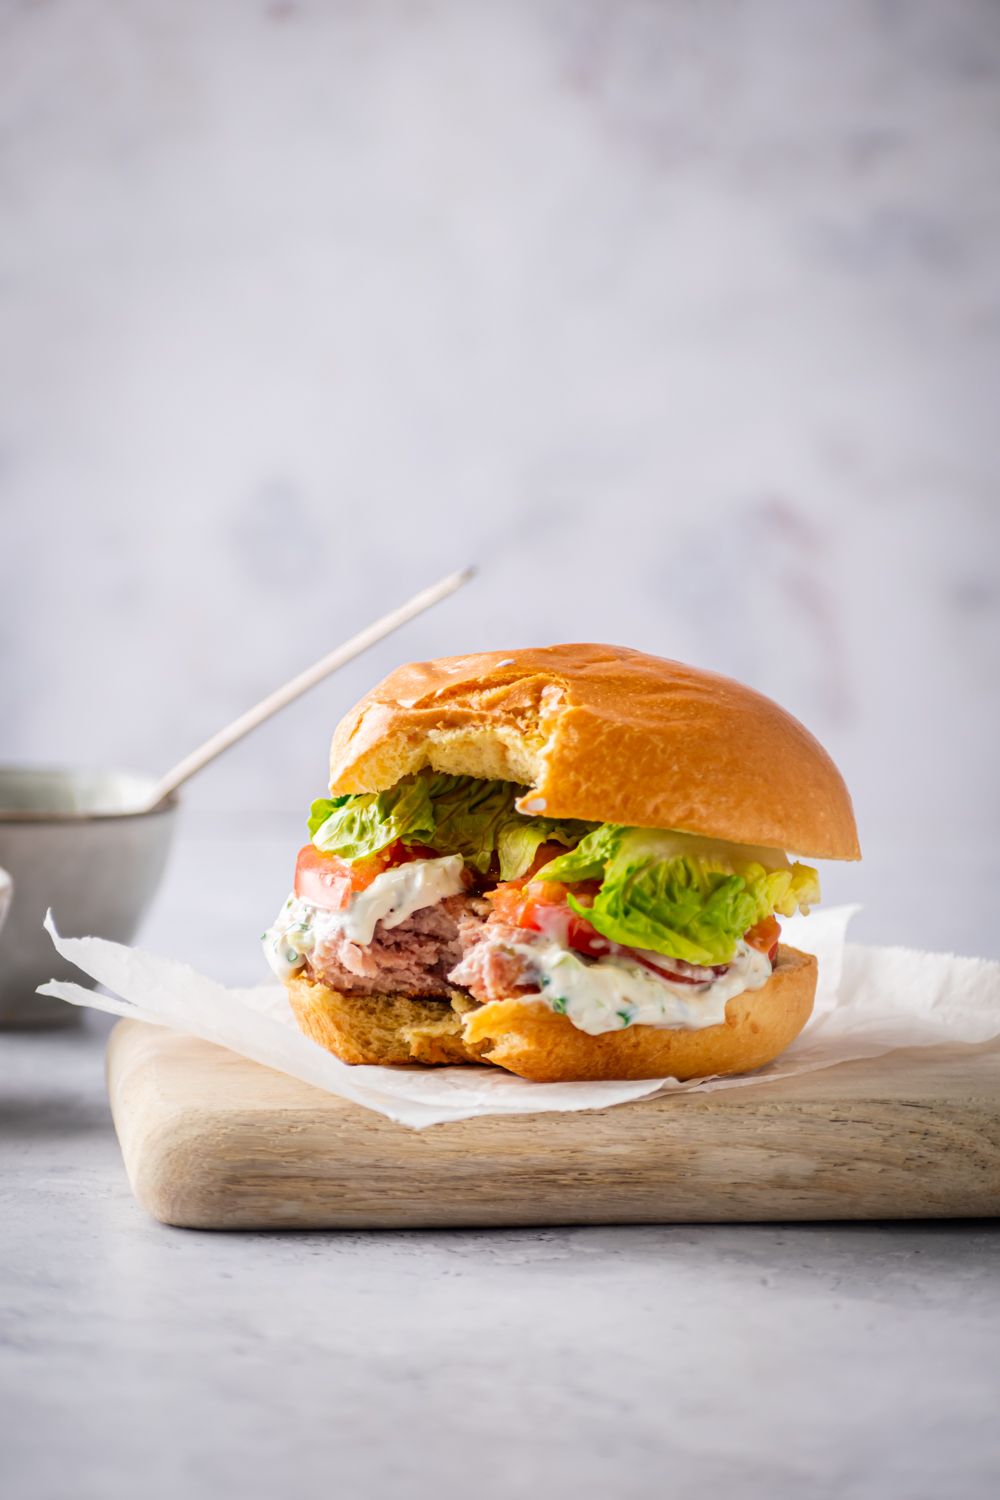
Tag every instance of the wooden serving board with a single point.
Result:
(212, 1141)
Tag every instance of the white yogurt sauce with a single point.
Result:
(392, 897)
(611, 993)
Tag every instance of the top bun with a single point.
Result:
(608, 735)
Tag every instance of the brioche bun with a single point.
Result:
(607, 735)
(528, 1038)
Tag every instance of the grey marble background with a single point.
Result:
(683, 321)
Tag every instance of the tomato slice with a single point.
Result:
(764, 937)
(517, 903)
(328, 881)
(567, 927)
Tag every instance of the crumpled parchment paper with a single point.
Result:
(869, 1001)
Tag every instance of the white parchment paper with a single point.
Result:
(869, 1001)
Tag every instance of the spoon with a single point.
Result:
(282, 696)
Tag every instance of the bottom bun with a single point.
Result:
(389, 1029)
(528, 1038)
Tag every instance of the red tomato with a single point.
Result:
(516, 902)
(586, 939)
(328, 881)
(566, 926)
(506, 901)
(545, 910)
(764, 937)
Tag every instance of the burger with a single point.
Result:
(571, 863)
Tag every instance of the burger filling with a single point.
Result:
(606, 994)
(441, 885)
(401, 934)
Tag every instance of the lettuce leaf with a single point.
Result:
(321, 809)
(359, 826)
(678, 895)
(674, 908)
(518, 841)
(452, 814)
(468, 815)
(589, 859)
(673, 893)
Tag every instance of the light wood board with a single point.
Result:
(212, 1141)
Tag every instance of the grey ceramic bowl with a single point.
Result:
(72, 841)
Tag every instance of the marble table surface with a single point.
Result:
(763, 1360)
(755, 1360)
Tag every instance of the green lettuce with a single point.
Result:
(356, 827)
(681, 896)
(672, 893)
(452, 814)
(468, 815)
(322, 809)
(519, 838)
(590, 858)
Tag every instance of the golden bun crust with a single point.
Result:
(608, 735)
(526, 1037)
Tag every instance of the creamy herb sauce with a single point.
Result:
(611, 993)
(392, 897)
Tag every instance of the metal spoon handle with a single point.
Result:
(282, 696)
